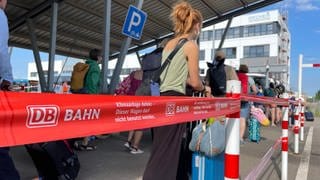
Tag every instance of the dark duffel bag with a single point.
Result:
(54, 160)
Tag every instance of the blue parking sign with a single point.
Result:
(134, 23)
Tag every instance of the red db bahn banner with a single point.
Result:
(33, 117)
(265, 100)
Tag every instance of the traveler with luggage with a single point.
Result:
(182, 70)
(247, 87)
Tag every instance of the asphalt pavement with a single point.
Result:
(113, 161)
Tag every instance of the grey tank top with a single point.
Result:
(174, 77)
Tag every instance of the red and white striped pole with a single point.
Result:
(302, 121)
(285, 140)
(232, 152)
(296, 129)
(311, 65)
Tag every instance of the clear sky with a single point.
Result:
(304, 26)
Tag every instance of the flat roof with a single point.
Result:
(80, 22)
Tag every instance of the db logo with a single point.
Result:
(42, 116)
(170, 109)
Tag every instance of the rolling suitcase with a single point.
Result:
(54, 160)
(203, 167)
(254, 130)
(207, 168)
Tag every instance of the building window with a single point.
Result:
(260, 29)
(218, 34)
(33, 74)
(269, 28)
(206, 36)
(256, 51)
(247, 31)
(202, 55)
(201, 71)
(251, 31)
(231, 53)
(212, 54)
(257, 30)
(233, 33)
(236, 32)
(263, 29)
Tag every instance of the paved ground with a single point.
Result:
(112, 161)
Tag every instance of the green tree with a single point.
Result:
(317, 96)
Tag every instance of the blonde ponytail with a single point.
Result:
(184, 17)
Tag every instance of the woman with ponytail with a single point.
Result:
(183, 69)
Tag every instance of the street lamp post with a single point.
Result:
(267, 76)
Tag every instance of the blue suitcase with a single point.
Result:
(254, 130)
(206, 168)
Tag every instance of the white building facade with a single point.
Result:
(259, 40)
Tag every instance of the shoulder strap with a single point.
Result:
(172, 54)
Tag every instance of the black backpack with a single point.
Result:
(217, 78)
(151, 64)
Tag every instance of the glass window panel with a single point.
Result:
(246, 52)
(263, 29)
(257, 30)
(230, 52)
(230, 33)
(218, 34)
(236, 32)
(260, 51)
(276, 28)
(251, 31)
(269, 28)
(266, 50)
(202, 55)
(245, 32)
(256, 51)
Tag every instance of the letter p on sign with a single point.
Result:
(134, 23)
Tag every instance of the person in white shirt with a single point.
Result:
(6, 77)
(7, 168)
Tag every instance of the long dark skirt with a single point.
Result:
(164, 159)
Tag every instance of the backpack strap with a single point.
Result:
(172, 54)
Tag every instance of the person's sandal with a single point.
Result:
(81, 147)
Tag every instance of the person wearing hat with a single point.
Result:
(212, 78)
